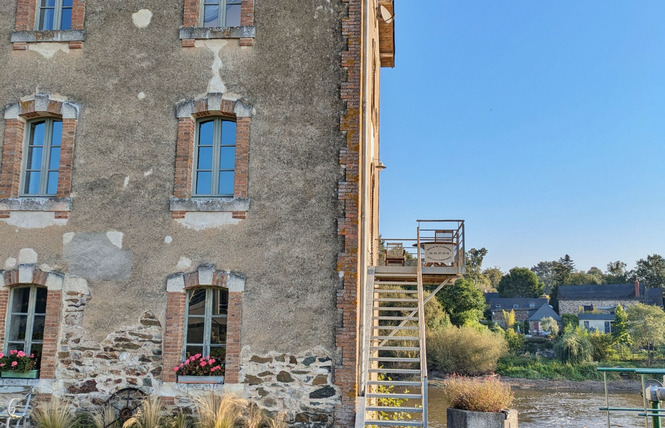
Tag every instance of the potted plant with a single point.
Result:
(200, 369)
(479, 402)
(18, 365)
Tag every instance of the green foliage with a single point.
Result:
(515, 340)
(603, 346)
(477, 395)
(435, 317)
(621, 333)
(545, 273)
(465, 350)
(652, 271)
(509, 318)
(520, 282)
(54, 413)
(17, 361)
(646, 324)
(616, 273)
(544, 368)
(549, 324)
(463, 302)
(494, 276)
(570, 320)
(390, 401)
(574, 347)
(581, 278)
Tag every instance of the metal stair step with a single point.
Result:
(395, 327)
(395, 359)
(394, 348)
(370, 422)
(389, 318)
(396, 395)
(396, 371)
(384, 282)
(395, 300)
(394, 383)
(389, 290)
(393, 409)
(394, 338)
(395, 308)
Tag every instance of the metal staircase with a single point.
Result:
(394, 357)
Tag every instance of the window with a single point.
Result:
(54, 15)
(215, 154)
(220, 13)
(27, 316)
(206, 322)
(42, 158)
(516, 306)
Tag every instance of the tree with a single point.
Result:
(581, 278)
(509, 318)
(621, 335)
(562, 269)
(646, 324)
(574, 347)
(616, 273)
(651, 271)
(520, 282)
(549, 325)
(544, 271)
(463, 302)
(494, 276)
(473, 265)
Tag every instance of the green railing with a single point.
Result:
(653, 413)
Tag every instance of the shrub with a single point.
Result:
(465, 350)
(477, 395)
(515, 340)
(570, 319)
(574, 347)
(53, 414)
(603, 346)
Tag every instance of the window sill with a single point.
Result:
(48, 36)
(36, 203)
(242, 32)
(208, 204)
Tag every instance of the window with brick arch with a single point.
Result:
(206, 315)
(215, 154)
(26, 320)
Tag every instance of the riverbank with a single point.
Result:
(563, 385)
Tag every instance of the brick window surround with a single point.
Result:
(188, 113)
(28, 274)
(177, 286)
(16, 117)
(191, 29)
(26, 23)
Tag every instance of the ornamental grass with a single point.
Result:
(54, 413)
(487, 394)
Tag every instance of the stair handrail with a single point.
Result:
(421, 330)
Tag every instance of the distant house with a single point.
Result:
(601, 322)
(545, 311)
(579, 299)
(524, 307)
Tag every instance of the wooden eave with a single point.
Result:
(387, 35)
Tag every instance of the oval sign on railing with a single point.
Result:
(439, 253)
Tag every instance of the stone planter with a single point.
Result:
(457, 418)
(30, 374)
(200, 379)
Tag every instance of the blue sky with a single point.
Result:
(540, 123)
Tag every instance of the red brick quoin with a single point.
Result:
(28, 275)
(177, 286)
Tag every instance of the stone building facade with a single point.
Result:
(191, 176)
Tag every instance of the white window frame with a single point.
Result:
(28, 341)
(221, 15)
(46, 157)
(207, 319)
(57, 15)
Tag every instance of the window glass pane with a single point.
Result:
(204, 160)
(36, 350)
(34, 158)
(228, 133)
(220, 302)
(20, 300)
(232, 15)
(54, 160)
(226, 182)
(218, 331)
(40, 303)
(52, 185)
(67, 3)
(37, 138)
(227, 158)
(203, 183)
(46, 19)
(48, 3)
(32, 183)
(56, 135)
(205, 133)
(197, 302)
(210, 15)
(195, 326)
(38, 327)
(17, 326)
(193, 350)
(66, 19)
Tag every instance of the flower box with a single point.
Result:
(200, 379)
(457, 418)
(30, 374)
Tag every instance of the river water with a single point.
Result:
(554, 409)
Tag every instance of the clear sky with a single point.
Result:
(540, 123)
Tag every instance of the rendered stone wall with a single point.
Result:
(572, 306)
